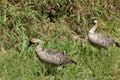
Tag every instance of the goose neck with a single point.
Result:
(39, 47)
(93, 29)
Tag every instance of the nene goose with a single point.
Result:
(51, 57)
(98, 40)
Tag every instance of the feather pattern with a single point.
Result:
(54, 57)
(99, 40)
(51, 56)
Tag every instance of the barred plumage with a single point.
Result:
(51, 56)
(99, 40)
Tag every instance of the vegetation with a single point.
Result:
(62, 25)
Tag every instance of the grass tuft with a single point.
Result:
(62, 25)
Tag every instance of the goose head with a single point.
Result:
(38, 42)
(35, 41)
(93, 21)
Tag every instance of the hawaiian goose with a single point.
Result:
(51, 57)
(98, 40)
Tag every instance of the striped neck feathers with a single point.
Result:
(93, 29)
(39, 47)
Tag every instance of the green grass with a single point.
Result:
(24, 64)
(22, 20)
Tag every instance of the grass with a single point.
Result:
(56, 23)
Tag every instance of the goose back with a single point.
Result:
(98, 40)
(54, 57)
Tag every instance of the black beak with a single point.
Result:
(91, 21)
(30, 43)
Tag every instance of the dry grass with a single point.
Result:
(63, 26)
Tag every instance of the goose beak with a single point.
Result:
(93, 21)
(30, 43)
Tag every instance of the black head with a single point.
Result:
(35, 41)
(93, 21)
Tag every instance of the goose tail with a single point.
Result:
(73, 62)
(117, 44)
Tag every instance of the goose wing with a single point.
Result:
(100, 40)
(59, 58)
